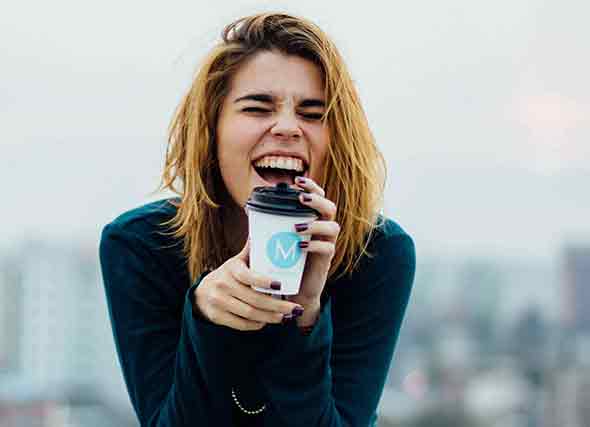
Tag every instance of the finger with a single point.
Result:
(236, 322)
(329, 230)
(240, 308)
(263, 301)
(244, 275)
(319, 247)
(325, 207)
(310, 185)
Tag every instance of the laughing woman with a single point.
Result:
(197, 345)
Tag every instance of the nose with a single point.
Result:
(286, 127)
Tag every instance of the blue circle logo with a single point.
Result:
(283, 249)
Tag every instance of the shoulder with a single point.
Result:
(389, 240)
(149, 214)
(143, 226)
(390, 261)
(139, 256)
(388, 227)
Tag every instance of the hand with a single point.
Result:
(225, 296)
(322, 246)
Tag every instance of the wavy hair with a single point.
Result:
(355, 170)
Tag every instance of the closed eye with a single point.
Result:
(306, 116)
(255, 110)
(312, 116)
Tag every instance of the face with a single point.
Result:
(269, 129)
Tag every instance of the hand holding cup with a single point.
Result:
(225, 296)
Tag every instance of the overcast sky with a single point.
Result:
(482, 110)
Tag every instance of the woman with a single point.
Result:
(197, 344)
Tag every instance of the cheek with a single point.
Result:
(238, 139)
(233, 136)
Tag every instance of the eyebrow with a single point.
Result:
(269, 99)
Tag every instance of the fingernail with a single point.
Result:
(303, 244)
(301, 227)
(306, 197)
(286, 318)
(275, 285)
(297, 311)
(300, 180)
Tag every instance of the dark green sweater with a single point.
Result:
(180, 368)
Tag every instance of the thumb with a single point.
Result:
(244, 254)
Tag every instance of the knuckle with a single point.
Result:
(215, 298)
(222, 285)
(249, 312)
(260, 301)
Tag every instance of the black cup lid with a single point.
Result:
(279, 200)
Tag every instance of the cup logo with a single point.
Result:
(283, 250)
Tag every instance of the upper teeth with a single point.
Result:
(281, 162)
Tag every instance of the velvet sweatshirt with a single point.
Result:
(180, 368)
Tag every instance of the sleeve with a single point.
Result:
(335, 376)
(174, 363)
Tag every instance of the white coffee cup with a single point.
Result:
(274, 243)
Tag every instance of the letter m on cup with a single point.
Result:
(282, 250)
(285, 254)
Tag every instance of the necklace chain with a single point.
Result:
(246, 411)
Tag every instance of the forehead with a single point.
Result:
(284, 76)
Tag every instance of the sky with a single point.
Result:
(482, 110)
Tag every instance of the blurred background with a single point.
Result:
(482, 110)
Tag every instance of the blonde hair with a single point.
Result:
(354, 173)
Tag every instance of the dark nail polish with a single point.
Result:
(301, 227)
(297, 311)
(286, 318)
(303, 244)
(275, 285)
(306, 198)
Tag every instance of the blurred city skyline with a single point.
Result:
(481, 110)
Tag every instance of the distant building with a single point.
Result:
(54, 329)
(566, 402)
(62, 320)
(575, 313)
(10, 319)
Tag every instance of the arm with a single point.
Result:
(174, 363)
(335, 376)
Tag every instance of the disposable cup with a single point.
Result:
(274, 244)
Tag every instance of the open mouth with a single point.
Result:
(274, 171)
